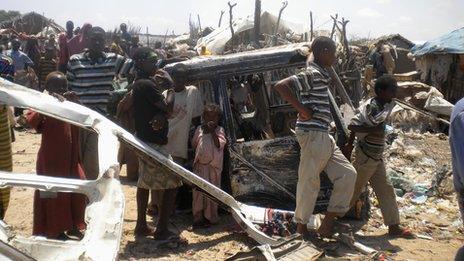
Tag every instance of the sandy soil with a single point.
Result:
(218, 243)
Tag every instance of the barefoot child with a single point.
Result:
(57, 213)
(209, 141)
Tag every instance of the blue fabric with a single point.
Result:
(452, 43)
(456, 138)
(20, 60)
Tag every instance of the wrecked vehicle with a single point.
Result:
(105, 210)
(263, 152)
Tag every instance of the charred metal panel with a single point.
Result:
(278, 159)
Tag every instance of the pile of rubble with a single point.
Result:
(419, 166)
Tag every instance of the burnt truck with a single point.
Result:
(262, 161)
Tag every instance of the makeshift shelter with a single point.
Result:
(441, 63)
(32, 23)
(403, 46)
(217, 40)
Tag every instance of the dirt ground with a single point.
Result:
(220, 242)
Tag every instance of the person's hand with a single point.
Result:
(58, 97)
(211, 126)
(163, 78)
(71, 96)
(379, 128)
(347, 149)
(305, 114)
(157, 123)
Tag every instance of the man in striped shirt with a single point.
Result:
(307, 92)
(90, 75)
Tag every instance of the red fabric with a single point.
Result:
(58, 157)
(78, 43)
(64, 52)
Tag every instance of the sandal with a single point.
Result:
(404, 233)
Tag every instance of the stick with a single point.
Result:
(257, 22)
(407, 106)
(165, 37)
(199, 23)
(148, 39)
(343, 23)
(284, 5)
(340, 88)
(334, 25)
(311, 20)
(231, 6)
(220, 18)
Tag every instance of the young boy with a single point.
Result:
(57, 213)
(318, 149)
(369, 127)
(46, 65)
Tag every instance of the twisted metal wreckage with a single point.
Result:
(105, 210)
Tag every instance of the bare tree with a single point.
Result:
(335, 25)
(231, 6)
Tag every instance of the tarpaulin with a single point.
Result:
(452, 43)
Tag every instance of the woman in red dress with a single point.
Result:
(57, 213)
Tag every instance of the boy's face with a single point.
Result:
(389, 94)
(56, 84)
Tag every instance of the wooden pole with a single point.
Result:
(284, 5)
(343, 23)
(257, 24)
(231, 6)
(199, 23)
(148, 39)
(220, 18)
(165, 37)
(334, 25)
(311, 20)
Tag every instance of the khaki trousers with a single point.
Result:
(374, 172)
(320, 153)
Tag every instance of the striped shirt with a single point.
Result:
(92, 81)
(372, 113)
(44, 67)
(311, 89)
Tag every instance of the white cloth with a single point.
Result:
(188, 104)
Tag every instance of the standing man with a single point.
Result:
(126, 36)
(318, 149)
(20, 60)
(90, 75)
(456, 138)
(151, 126)
(69, 30)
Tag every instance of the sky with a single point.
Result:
(417, 20)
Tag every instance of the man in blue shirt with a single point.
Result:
(20, 60)
(456, 138)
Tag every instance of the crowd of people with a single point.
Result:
(160, 109)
